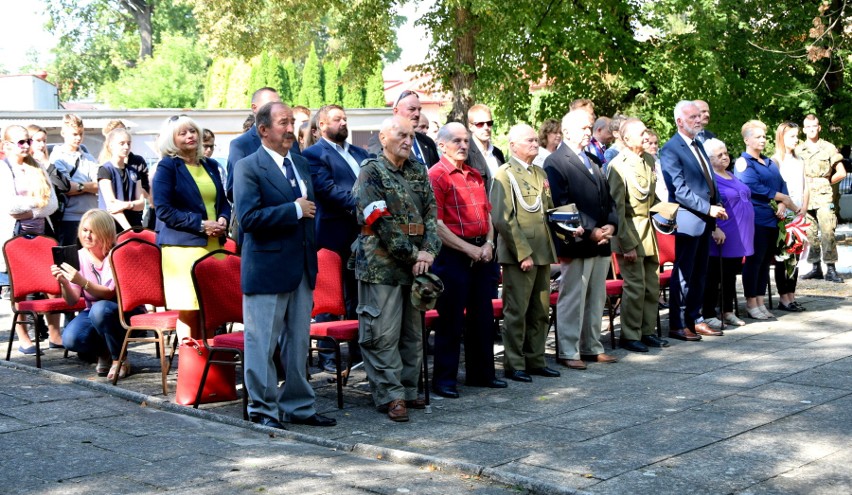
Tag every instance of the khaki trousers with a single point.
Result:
(582, 293)
(526, 305)
(640, 297)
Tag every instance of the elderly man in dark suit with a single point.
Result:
(575, 177)
(423, 148)
(335, 165)
(275, 201)
(690, 182)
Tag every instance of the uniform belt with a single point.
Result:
(407, 228)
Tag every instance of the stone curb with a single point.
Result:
(365, 450)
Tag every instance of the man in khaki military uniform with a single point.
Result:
(520, 197)
(823, 167)
(632, 183)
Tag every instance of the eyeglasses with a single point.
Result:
(24, 142)
(405, 94)
(489, 123)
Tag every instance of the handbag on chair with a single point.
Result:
(220, 385)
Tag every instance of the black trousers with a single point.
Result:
(721, 274)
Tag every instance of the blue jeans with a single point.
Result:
(97, 330)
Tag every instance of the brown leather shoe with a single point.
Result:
(684, 334)
(418, 403)
(397, 411)
(704, 329)
(599, 358)
(574, 364)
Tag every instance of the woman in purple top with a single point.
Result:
(732, 239)
(96, 331)
(762, 176)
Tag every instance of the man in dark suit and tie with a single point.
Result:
(575, 176)
(248, 142)
(335, 165)
(689, 180)
(275, 200)
(423, 148)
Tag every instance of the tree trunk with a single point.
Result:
(464, 74)
(141, 10)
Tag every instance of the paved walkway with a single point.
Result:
(764, 409)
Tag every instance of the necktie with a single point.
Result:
(290, 174)
(705, 169)
(417, 154)
(587, 163)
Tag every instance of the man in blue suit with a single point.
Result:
(275, 200)
(249, 142)
(335, 165)
(691, 184)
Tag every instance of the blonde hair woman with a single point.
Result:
(119, 188)
(97, 330)
(26, 201)
(192, 213)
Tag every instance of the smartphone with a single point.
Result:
(66, 254)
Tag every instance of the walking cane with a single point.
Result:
(425, 373)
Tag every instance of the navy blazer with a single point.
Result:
(571, 182)
(476, 159)
(242, 146)
(687, 186)
(278, 248)
(333, 178)
(180, 208)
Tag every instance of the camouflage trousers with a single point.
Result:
(821, 235)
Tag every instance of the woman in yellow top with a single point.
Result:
(192, 213)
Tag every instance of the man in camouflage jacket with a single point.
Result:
(398, 241)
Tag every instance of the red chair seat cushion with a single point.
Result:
(665, 277)
(497, 305)
(431, 318)
(50, 305)
(338, 330)
(614, 287)
(554, 297)
(233, 340)
(164, 320)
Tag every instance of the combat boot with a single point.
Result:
(831, 274)
(815, 273)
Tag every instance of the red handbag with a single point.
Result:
(220, 385)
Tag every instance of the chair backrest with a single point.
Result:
(328, 295)
(666, 246)
(28, 259)
(216, 277)
(230, 245)
(137, 233)
(137, 268)
(616, 270)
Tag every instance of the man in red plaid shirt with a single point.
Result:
(465, 265)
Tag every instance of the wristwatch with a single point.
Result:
(79, 187)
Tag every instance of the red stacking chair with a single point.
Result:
(230, 245)
(28, 260)
(666, 253)
(137, 268)
(328, 298)
(216, 277)
(614, 291)
(137, 233)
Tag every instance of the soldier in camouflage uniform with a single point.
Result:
(823, 167)
(398, 241)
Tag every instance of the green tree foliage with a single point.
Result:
(294, 77)
(311, 92)
(99, 38)
(375, 92)
(173, 78)
(332, 92)
(353, 93)
(218, 79)
(268, 71)
(239, 92)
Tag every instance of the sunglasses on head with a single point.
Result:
(405, 94)
(489, 123)
(174, 118)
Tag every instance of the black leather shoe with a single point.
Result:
(548, 372)
(519, 376)
(633, 345)
(446, 391)
(493, 383)
(315, 420)
(267, 421)
(654, 341)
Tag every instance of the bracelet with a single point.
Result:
(490, 243)
(86, 287)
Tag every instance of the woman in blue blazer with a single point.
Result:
(192, 213)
